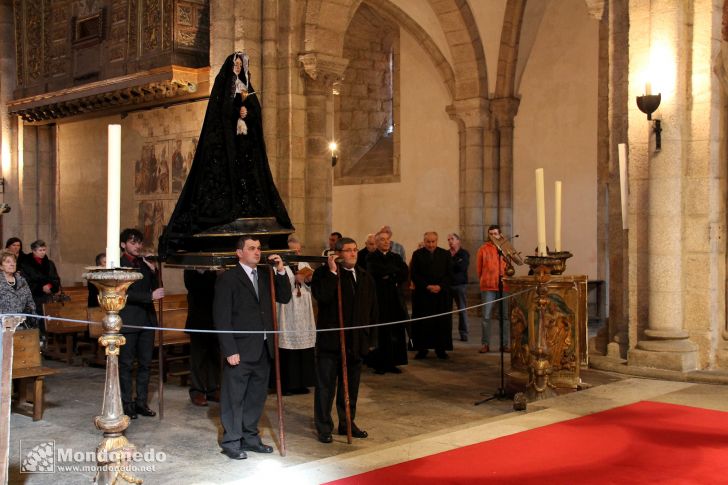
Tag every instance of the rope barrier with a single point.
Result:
(192, 330)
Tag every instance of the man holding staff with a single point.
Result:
(358, 307)
(243, 303)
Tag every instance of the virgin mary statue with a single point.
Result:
(229, 190)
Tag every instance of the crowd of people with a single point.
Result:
(371, 281)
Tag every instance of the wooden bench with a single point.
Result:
(175, 349)
(27, 369)
(60, 334)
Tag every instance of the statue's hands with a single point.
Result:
(243, 112)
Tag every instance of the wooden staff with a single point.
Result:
(277, 358)
(161, 345)
(342, 338)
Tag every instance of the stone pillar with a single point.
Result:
(664, 343)
(472, 116)
(504, 112)
(269, 85)
(322, 72)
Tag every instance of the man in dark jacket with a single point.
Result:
(432, 277)
(359, 307)
(460, 262)
(204, 347)
(139, 311)
(243, 303)
(390, 274)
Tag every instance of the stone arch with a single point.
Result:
(330, 40)
(461, 32)
(505, 85)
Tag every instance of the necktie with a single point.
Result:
(254, 275)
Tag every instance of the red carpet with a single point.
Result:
(646, 442)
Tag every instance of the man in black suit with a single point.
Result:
(139, 311)
(359, 307)
(243, 303)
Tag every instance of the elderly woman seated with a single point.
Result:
(15, 295)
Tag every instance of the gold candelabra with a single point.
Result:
(540, 368)
(114, 452)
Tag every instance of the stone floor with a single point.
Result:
(427, 409)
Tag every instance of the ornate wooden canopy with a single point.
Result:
(156, 87)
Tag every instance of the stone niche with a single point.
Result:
(367, 103)
(65, 43)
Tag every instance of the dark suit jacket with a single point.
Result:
(139, 309)
(237, 308)
(359, 307)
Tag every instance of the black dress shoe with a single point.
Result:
(130, 410)
(355, 432)
(442, 355)
(144, 410)
(259, 448)
(394, 370)
(379, 371)
(234, 454)
(325, 437)
(421, 354)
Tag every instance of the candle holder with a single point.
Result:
(540, 368)
(115, 451)
(560, 265)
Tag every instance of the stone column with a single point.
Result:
(664, 343)
(504, 112)
(321, 72)
(472, 117)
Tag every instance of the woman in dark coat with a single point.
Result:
(42, 276)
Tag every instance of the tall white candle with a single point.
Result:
(540, 213)
(113, 202)
(623, 185)
(557, 216)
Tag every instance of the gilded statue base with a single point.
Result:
(113, 455)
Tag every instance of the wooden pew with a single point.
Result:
(175, 348)
(27, 369)
(60, 334)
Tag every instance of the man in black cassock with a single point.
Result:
(390, 274)
(359, 307)
(432, 277)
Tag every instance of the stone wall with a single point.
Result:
(556, 128)
(426, 198)
(158, 146)
(366, 109)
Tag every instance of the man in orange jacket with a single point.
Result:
(490, 267)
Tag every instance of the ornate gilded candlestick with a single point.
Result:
(560, 265)
(540, 369)
(114, 451)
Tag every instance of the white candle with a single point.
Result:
(648, 88)
(113, 202)
(557, 216)
(540, 213)
(623, 186)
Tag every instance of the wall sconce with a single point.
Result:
(648, 104)
(334, 157)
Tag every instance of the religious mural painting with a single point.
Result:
(160, 172)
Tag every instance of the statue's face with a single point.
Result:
(237, 66)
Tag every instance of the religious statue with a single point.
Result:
(229, 182)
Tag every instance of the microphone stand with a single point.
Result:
(500, 394)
